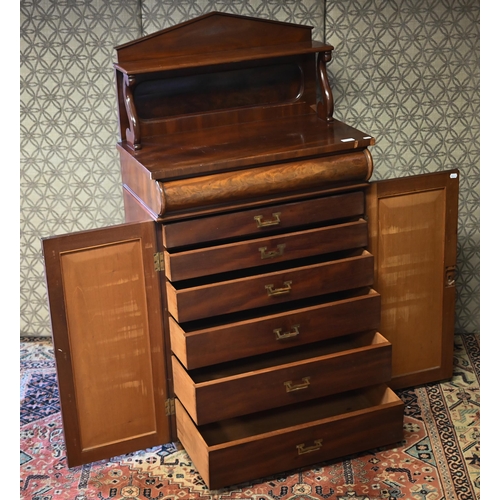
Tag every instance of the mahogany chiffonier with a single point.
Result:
(263, 294)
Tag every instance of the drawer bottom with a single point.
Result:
(245, 448)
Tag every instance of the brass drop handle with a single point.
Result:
(301, 448)
(264, 254)
(273, 222)
(286, 335)
(306, 382)
(271, 291)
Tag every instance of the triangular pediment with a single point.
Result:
(213, 32)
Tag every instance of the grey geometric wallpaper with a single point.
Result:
(157, 15)
(406, 71)
(70, 178)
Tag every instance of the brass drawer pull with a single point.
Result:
(273, 222)
(274, 253)
(306, 382)
(271, 291)
(292, 333)
(301, 448)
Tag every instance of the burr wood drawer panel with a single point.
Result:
(289, 376)
(354, 270)
(271, 180)
(257, 252)
(290, 437)
(357, 312)
(259, 221)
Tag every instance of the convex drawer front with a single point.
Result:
(292, 375)
(262, 251)
(263, 220)
(293, 436)
(351, 270)
(348, 313)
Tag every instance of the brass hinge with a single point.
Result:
(159, 260)
(170, 406)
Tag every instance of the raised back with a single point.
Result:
(213, 32)
(219, 69)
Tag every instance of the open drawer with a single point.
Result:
(258, 222)
(237, 450)
(278, 379)
(246, 336)
(204, 261)
(190, 301)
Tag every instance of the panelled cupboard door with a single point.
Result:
(106, 314)
(412, 224)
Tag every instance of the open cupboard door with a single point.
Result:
(107, 325)
(412, 224)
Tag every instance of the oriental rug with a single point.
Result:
(437, 460)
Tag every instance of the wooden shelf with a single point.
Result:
(144, 66)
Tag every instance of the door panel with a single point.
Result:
(106, 313)
(412, 223)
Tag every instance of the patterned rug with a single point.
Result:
(438, 459)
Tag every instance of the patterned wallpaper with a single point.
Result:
(70, 176)
(407, 72)
(157, 15)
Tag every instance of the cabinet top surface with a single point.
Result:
(230, 147)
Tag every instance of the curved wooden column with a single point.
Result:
(325, 107)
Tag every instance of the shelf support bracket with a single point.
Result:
(133, 133)
(325, 106)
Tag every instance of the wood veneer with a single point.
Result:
(108, 340)
(413, 237)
